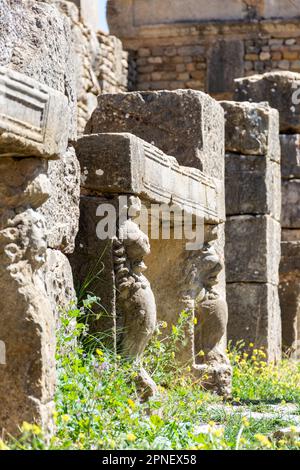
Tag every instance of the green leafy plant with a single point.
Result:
(98, 407)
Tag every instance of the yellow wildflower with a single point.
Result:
(164, 324)
(36, 430)
(131, 437)
(263, 440)
(218, 432)
(65, 418)
(111, 443)
(3, 446)
(245, 422)
(131, 403)
(26, 427)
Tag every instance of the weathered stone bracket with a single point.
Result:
(123, 163)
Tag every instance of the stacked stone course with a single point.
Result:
(253, 232)
(281, 90)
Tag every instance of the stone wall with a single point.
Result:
(202, 53)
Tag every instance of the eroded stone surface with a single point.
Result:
(36, 40)
(280, 90)
(123, 163)
(61, 211)
(290, 204)
(185, 124)
(31, 117)
(114, 164)
(251, 129)
(289, 290)
(290, 155)
(263, 326)
(252, 185)
(245, 234)
(27, 321)
(59, 283)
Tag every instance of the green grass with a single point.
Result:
(97, 405)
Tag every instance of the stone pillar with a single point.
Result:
(281, 90)
(37, 203)
(253, 207)
(189, 126)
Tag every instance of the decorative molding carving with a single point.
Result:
(31, 114)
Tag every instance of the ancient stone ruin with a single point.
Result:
(280, 90)
(115, 165)
(208, 47)
(143, 126)
(253, 232)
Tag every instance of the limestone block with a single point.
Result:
(35, 39)
(59, 283)
(290, 204)
(290, 156)
(252, 185)
(290, 258)
(225, 63)
(280, 89)
(61, 210)
(254, 316)
(27, 326)
(31, 117)
(289, 292)
(252, 249)
(251, 129)
(123, 163)
(290, 235)
(23, 179)
(187, 124)
(282, 9)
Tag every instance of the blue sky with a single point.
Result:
(103, 24)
